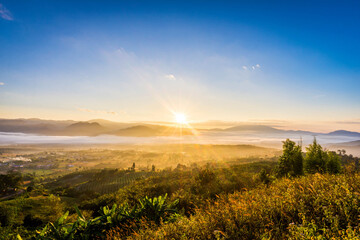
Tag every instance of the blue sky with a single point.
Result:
(284, 61)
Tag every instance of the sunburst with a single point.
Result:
(180, 118)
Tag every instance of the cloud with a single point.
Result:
(2, 84)
(5, 14)
(170, 77)
(251, 67)
(97, 111)
(355, 122)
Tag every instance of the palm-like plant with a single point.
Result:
(150, 209)
(155, 209)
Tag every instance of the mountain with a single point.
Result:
(263, 129)
(88, 128)
(349, 144)
(344, 133)
(253, 128)
(136, 131)
(151, 130)
(112, 126)
(83, 129)
(143, 129)
(33, 125)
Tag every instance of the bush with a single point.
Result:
(151, 210)
(321, 206)
(333, 164)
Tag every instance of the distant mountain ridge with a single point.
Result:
(100, 126)
(344, 133)
(84, 128)
(265, 130)
(253, 128)
(151, 130)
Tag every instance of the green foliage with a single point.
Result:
(291, 161)
(213, 202)
(30, 212)
(9, 181)
(7, 215)
(310, 207)
(205, 176)
(315, 160)
(321, 161)
(333, 164)
(149, 209)
(92, 183)
(265, 177)
(192, 187)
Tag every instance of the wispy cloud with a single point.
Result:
(1, 83)
(5, 13)
(97, 111)
(253, 68)
(170, 77)
(356, 122)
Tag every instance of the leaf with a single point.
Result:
(43, 231)
(79, 213)
(63, 218)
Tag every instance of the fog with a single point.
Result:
(270, 140)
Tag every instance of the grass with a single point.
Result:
(311, 207)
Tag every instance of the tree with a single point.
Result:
(205, 176)
(10, 181)
(133, 167)
(264, 177)
(316, 158)
(291, 161)
(333, 164)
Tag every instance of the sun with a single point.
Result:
(180, 118)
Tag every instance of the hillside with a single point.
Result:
(311, 207)
(211, 198)
(33, 125)
(352, 147)
(344, 133)
(83, 129)
(151, 130)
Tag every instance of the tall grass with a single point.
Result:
(310, 207)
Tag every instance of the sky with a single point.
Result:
(290, 63)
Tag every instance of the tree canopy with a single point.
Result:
(291, 161)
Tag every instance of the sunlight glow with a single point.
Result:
(180, 118)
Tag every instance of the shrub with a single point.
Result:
(152, 210)
(333, 164)
(319, 206)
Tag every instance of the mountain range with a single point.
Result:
(138, 129)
